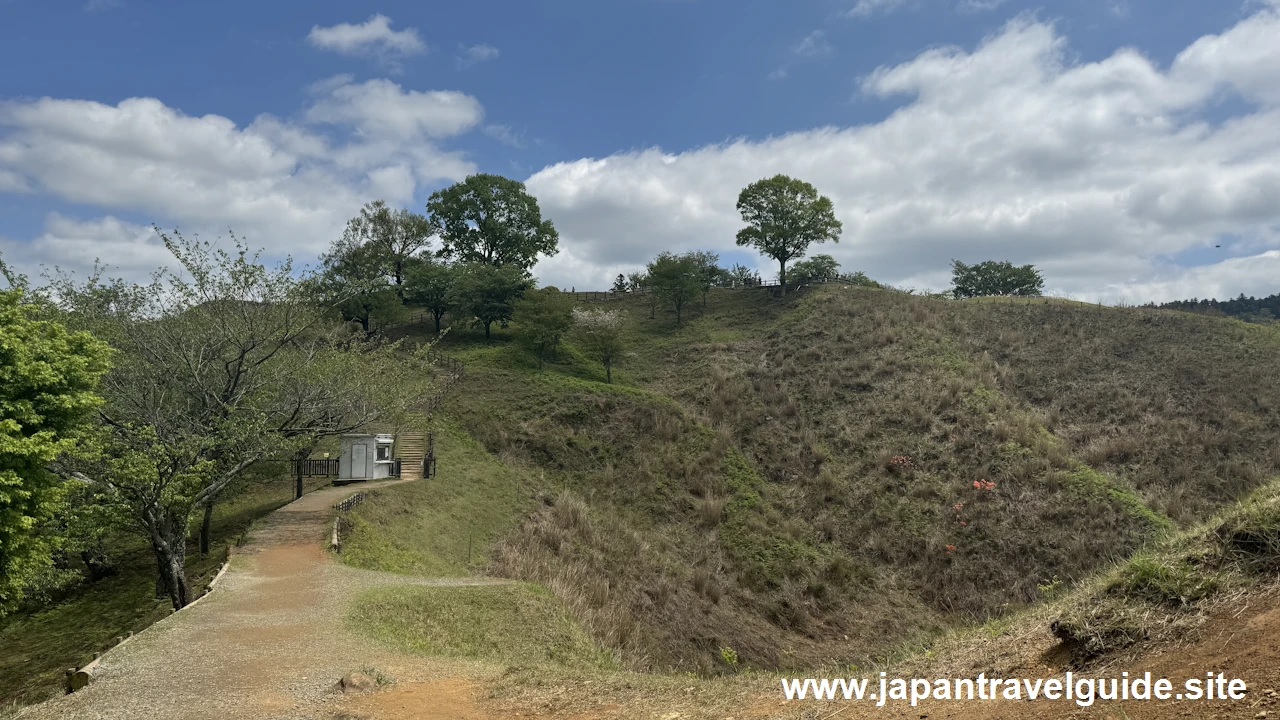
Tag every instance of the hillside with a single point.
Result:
(827, 478)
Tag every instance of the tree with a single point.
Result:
(994, 278)
(48, 378)
(675, 279)
(488, 293)
(819, 268)
(708, 271)
(392, 238)
(542, 317)
(217, 367)
(639, 282)
(352, 280)
(490, 219)
(601, 332)
(784, 216)
(619, 284)
(430, 284)
(742, 276)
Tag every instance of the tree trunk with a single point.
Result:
(437, 317)
(782, 275)
(170, 548)
(364, 323)
(206, 531)
(486, 328)
(608, 373)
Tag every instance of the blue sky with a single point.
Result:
(730, 90)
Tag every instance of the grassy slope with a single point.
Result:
(743, 484)
(37, 647)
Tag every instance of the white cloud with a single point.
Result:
(863, 8)
(124, 249)
(867, 8)
(503, 134)
(476, 54)
(1098, 172)
(813, 45)
(285, 184)
(373, 37)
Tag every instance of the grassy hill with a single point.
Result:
(819, 479)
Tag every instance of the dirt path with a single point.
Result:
(269, 642)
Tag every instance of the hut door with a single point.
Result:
(359, 468)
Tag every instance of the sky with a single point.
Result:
(1130, 149)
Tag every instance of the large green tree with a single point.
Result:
(48, 381)
(542, 318)
(493, 220)
(488, 293)
(994, 278)
(676, 279)
(784, 217)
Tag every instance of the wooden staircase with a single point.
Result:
(411, 448)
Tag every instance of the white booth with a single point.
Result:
(365, 457)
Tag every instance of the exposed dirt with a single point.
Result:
(269, 642)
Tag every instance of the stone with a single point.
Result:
(357, 682)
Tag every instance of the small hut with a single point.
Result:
(365, 457)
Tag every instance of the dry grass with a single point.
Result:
(795, 479)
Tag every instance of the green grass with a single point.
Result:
(430, 527)
(518, 624)
(37, 647)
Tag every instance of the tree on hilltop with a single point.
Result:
(784, 217)
(676, 279)
(492, 220)
(994, 278)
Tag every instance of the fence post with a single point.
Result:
(297, 469)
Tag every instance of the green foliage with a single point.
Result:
(620, 284)
(819, 268)
(784, 216)
(994, 278)
(393, 237)
(216, 368)
(429, 284)
(542, 318)
(488, 293)
(676, 279)
(352, 280)
(492, 220)
(48, 378)
(708, 271)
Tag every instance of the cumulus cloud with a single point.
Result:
(1102, 173)
(373, 38)
(476, 54)
(289, 185)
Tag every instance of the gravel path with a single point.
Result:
(269, 642)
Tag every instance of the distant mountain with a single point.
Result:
(1256, 310)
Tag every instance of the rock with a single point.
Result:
(357, 682)
(1261, 714)
(349, 715)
